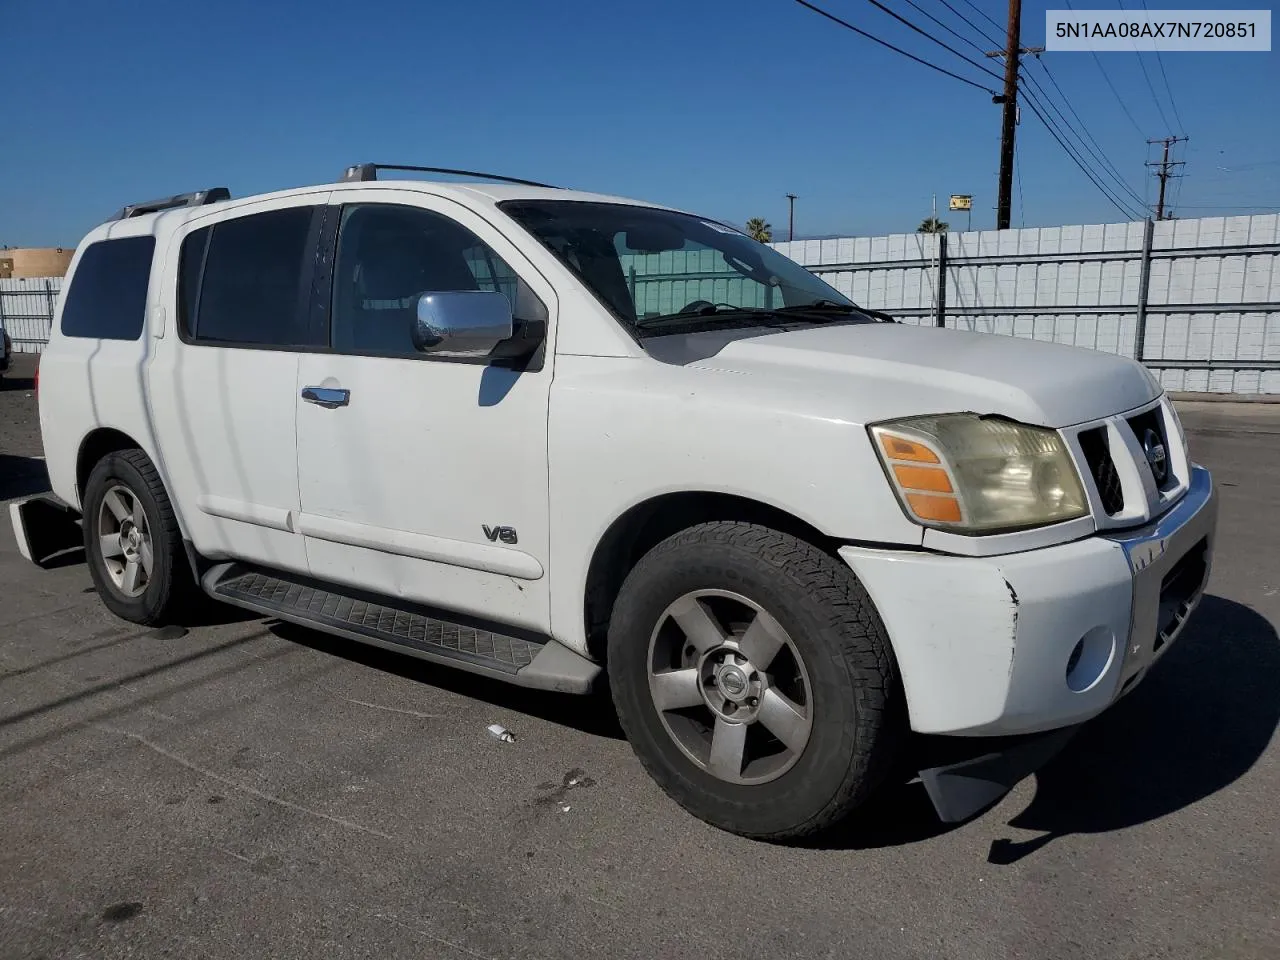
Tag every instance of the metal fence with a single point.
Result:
(1197, 301)
(26, 310)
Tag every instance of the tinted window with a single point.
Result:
(191, 264)
(389, 255)
(255, 274)
(108, 294)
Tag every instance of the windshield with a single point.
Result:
(647, 264)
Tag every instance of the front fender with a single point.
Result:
(627, 430)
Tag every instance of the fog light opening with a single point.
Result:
(1090, 659)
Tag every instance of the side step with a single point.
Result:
(513, 656)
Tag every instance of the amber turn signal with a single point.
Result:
(940, 509)
(900, 448)
(922, 478)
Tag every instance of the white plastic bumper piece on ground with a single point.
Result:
(44, 526)
(1048, 638)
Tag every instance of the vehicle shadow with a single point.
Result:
(591, 714)
(21, 476)
(1199, 722)
(17, 384)
(204, 611)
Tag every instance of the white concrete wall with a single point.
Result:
(1072, 284)
(1079, 285)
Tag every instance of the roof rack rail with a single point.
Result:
(360, 172)
(197, 198)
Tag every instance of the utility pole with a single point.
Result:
(1163, 175)
(791, 218)
(1009, 121)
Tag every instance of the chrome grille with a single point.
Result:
(1119, 469)
(1097, 454)
(1150, 422)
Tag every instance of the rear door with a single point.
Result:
(223, 382)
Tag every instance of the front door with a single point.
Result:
(424, 477)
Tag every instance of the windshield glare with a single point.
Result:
(644, 263)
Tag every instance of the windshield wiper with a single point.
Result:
(826, 307)
(819, 305)
(712, 311)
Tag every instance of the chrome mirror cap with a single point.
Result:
(461, 323)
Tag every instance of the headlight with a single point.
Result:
(972, 474)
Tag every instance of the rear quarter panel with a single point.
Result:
(88, 383)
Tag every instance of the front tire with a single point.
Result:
(754, 680)
(132, 541)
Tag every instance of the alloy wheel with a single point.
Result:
(124, 540)
(730, 686)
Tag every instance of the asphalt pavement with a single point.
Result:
(250, 789)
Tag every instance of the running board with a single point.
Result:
(540, 663)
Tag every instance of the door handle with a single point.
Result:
(326, 396)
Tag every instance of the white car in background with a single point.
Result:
(540, 434)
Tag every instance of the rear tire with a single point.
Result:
(753, 635)
(132, 541)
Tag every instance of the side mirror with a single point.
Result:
(461, 323)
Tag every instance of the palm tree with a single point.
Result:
(759, 229)
(932, 225)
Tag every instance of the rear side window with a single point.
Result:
(244, 281)
(107, 299)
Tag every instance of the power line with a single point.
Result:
(1168, 89)
(984, 13)
(928, 36)
(950, 30)
(1250, 166)
(1031, 102)
(1146, 76)
(977, 29)
(1177, 187)
(1022, 205)
(1112, 86)
(1220, 206)
(1117, 199)
(1105, 165)
(910, 56)
(1096, 149)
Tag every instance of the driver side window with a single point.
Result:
(388, 256)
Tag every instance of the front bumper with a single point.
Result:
(1044, 639)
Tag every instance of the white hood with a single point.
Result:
(893, 370)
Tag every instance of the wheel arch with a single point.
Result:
(102, 441)
(646, 524)
(97, 444)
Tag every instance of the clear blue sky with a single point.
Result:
(711, 105)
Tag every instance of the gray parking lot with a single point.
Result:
(251, 789)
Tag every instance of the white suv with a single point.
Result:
(540, 434)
